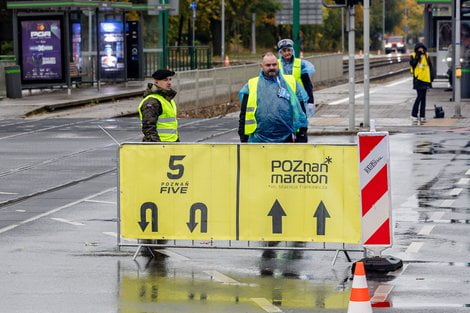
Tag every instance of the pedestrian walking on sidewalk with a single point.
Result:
(421, 68)
(271, 106)
(302, 70)
(157, 110)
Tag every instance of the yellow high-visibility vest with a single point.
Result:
(422, 71)
(167, 123)
(252, 103)
(296, 69)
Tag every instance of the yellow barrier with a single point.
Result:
(276, 192)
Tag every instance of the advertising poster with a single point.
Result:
(41, 46)
(77, 46)
(112, 50)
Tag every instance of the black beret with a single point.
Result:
(162, 74)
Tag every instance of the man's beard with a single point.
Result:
(271, 73)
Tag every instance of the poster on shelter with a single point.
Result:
(41, 50)
(112, 50)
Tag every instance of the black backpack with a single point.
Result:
(438, 112)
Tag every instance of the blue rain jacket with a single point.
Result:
(277, 117)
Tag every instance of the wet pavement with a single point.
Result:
(59, 248)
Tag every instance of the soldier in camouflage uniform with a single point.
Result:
(157, 110)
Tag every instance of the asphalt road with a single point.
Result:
(58, 216)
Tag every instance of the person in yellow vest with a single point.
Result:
(271, 106)
(302, 70)
(271, 112)
(421, 68)
(158, 114)
(157, 110)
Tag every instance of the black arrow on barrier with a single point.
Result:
(143, 216)
(277, 213)
(192, 217)
(321, 214)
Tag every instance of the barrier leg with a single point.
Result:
(137, 252)
(149, 249)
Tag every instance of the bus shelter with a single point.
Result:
(50, 39)
(439, 30)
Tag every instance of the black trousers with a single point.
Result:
(420, 103)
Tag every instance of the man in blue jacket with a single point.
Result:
(271, 106)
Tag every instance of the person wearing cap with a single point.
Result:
(302, 70)
(157, 110)
(271, 106)
(421, 68)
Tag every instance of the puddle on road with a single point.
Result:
(160, 286)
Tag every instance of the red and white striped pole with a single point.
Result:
(376, 198)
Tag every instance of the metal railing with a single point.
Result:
(201, 90)
(182, 58)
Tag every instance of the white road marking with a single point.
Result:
(447, 203)
(34, 218)
(455, 192)
(426, 230)
(9, 227)
(468, 172)
(399, 271)
(414, 247)
(63, 220)
(398, 82)
(22, 211)
(8, 193)
(266, 305)
(173, 254)
(217, 276)
(114, 234)
(463, 181)
(100, 201)
(437, 215)
(381, 293)
(359, 95)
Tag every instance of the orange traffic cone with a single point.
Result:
(359, 301)
(227, 61)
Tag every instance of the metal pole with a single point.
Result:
(458, 69)
(67, 52)
(366, 62)
(383, 24)
(90, 42)
(342, 30)
(194, 28)
(222, 50)
(98, 56)
(351, 49)
(296, 27)
(253, 33)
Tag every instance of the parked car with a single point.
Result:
(395, 44)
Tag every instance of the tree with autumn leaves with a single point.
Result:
(315, 38)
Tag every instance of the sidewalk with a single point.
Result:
(390, 105)
(49, 100)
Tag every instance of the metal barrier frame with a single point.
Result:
(213, 244)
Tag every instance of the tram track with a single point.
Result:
(12, 173)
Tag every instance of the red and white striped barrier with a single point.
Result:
(376, 201)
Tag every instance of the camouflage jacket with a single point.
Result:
(151, 110)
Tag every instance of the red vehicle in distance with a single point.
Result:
(395, 44)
